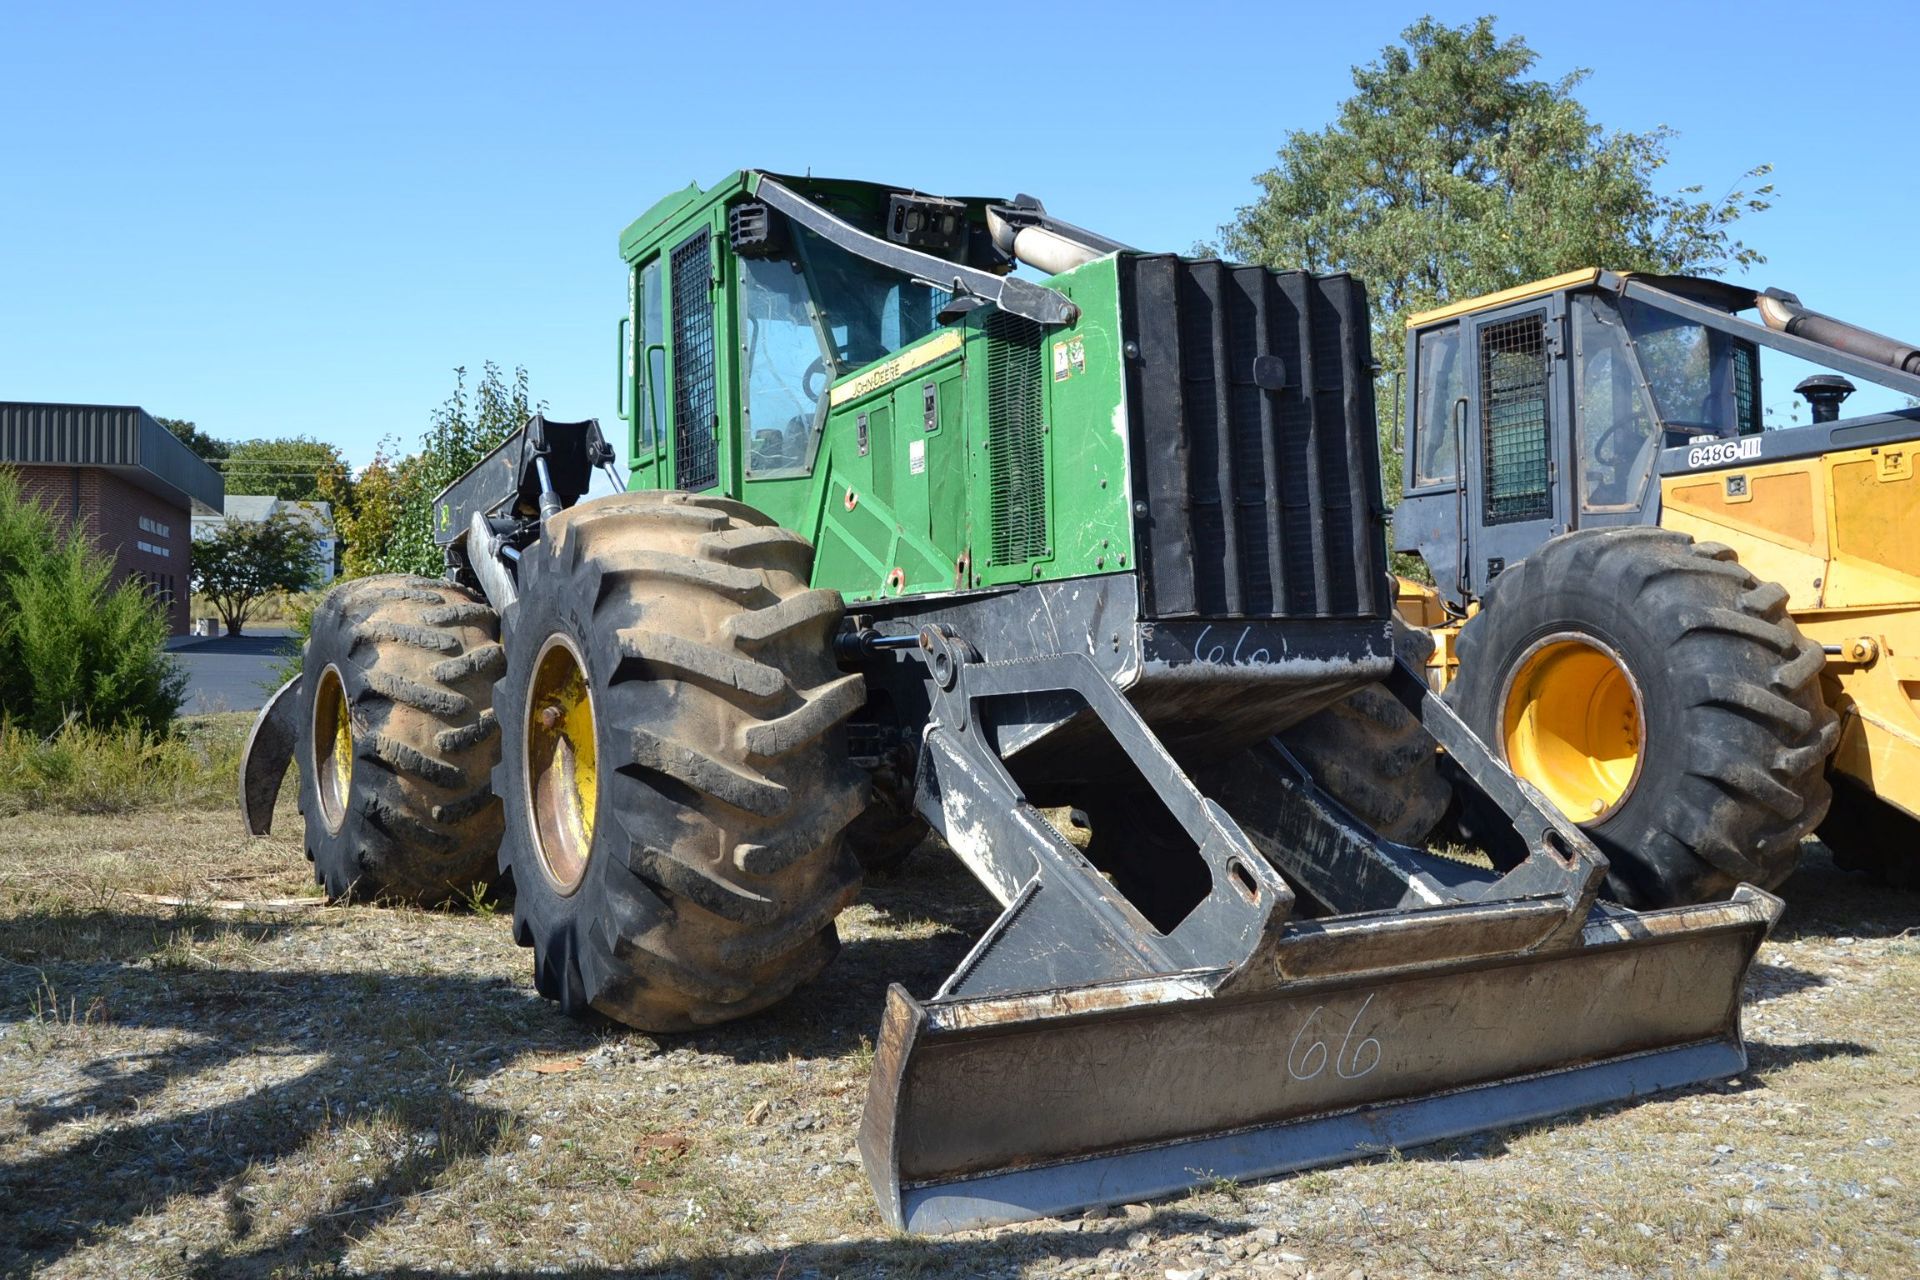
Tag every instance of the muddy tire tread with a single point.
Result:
(1737, 731)
(421, 823)
(724, 779)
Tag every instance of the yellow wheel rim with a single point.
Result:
(563, 780)
(1571, 722)
(332, 747)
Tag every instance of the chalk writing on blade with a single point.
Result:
(1307, 1058)
(1221, 653)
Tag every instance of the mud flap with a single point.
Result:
(264, 760)
(1363, 1034)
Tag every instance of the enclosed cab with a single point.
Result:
(1778, 447)
(1189, 442)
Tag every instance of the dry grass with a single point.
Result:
(193, 1092)
(87, 770)
(275, 609)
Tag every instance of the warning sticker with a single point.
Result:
(1069, 358)
(917, 457)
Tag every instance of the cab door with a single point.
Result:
(1516, 437)
(644, 352)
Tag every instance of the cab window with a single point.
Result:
(785, 367)
(1617, 430)
(808, 317)
(1441, 374)
(652, 409)
(1513, 419)
(1702, 380)
(868, 311)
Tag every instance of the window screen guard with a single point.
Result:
(1513, 419)
(696, 449)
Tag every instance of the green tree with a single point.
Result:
(243, 560)
(205, 446)
(296, 467)
(1452, 172)
(369, 522)
(74, 645)
(387, 526)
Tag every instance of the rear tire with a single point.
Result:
(1730, 735)
(397, 741)
(1375, 757)
(695, 872)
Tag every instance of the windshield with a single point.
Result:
(808, 320)
(1700, 378)
(868, 311)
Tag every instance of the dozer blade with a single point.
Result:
(1080, 1055)
(1373, 1033)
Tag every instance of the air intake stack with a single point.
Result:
(1825, 391)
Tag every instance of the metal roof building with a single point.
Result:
(121, 439)
(117, 474)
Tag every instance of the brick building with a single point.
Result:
(123, 478)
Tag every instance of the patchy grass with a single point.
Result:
(86, 770)
(191, 1091)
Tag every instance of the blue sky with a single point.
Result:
(283, 221)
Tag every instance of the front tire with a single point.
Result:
(1662, 697)
(673, 761)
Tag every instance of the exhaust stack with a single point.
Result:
(1023, 230)
(1784, 314)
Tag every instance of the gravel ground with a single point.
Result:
(190, 1090)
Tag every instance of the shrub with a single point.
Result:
(386, 516)
(299, 614)
(73, 645)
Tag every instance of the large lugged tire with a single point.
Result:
(1661, 695)
(397, 740)
(673, 761)
(1372, 754)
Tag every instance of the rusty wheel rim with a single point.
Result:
(563, 781)
(332, 748)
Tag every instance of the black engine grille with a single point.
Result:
(1254, 444)
(1016, 443)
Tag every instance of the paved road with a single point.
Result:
(230, 673)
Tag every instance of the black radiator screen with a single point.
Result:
(1256, 456)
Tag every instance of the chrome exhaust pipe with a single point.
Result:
(1783, 313)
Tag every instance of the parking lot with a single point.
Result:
(230, 673)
